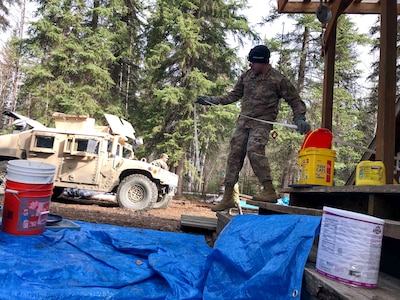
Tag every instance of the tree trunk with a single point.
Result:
(95, 17)
(303, 59)
(16, 82)
(179, 172)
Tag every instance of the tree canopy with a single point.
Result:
(147, 62)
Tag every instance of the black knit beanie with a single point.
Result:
(259, 54)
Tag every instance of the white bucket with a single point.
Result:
(349, 247)
(31, 172)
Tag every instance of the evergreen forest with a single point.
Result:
(147, 61)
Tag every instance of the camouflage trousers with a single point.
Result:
(250, 141)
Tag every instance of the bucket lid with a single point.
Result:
(30, 172)
(318, 138)
(353, 215)
(29, 165)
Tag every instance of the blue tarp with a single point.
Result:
(255, 257)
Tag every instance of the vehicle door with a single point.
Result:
(81, 160)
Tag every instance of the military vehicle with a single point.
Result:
(90, 157)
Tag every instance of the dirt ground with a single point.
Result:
(108, 212)
(97, 211)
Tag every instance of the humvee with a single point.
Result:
(90, 157)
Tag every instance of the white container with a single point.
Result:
(31, 172)
(349, 247)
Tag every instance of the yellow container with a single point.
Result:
(370, 173)
(316, 166)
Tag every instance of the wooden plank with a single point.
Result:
(199, 222)
(378, 206)
(371, 204)
(286, 209)
(380, 201)
(223, 220)
(377, 189)
(320, 286)
(245, 197)
(390, 229)
(285, 6)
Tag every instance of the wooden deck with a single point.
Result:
(388, 288)
(321, 287)
(391, 228)
(379, 201)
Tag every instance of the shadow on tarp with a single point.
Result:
(255, 257)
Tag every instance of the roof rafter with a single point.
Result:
(337, 8)
(309, 6)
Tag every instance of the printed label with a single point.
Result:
(349, 250)
(33, 213)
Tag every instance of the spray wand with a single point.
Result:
(256, 119)
(335, 140)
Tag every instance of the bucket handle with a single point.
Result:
(15, 193)
(12, 191)
(31, 190)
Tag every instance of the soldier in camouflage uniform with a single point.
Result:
(161, 162)
(260, 89)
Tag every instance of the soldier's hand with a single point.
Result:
(206, 100)
(302, 125)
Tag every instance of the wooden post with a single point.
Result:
(329, 73)
(386, 121)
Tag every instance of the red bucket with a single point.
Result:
(26, 207)
(318, 138)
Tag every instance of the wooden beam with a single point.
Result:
(337, 9)
(307, 7)
(392, 229)
(199, 222)
(329, 50)
(386, 120)
(282, 5)
(329, 74)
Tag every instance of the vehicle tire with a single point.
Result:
(137, 192)
(57, 192)
(3, 173)
(163, 201)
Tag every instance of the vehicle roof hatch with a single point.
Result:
(120, 126)
(21, 120)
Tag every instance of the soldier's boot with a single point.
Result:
(268, 194)
(228, 200)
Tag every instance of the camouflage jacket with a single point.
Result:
(160, 163)
(260, 95)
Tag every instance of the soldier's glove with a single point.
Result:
(206, 100)
(302, 125)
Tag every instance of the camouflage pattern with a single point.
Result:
(251, 141)
(160, 163)
(260, 96)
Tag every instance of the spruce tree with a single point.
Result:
(187, 54)
(70, 51)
